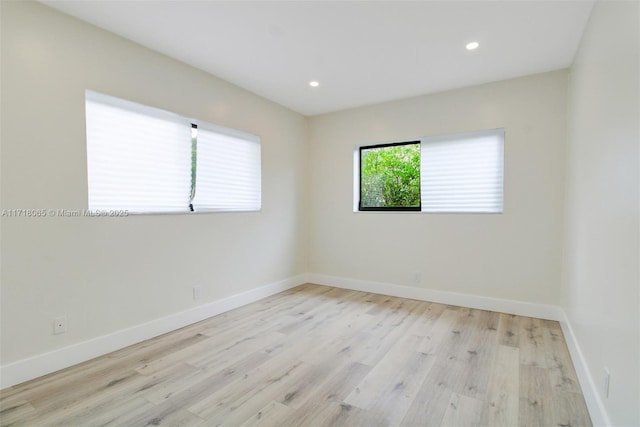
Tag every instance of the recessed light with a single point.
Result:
(472, 45)
(314, 84)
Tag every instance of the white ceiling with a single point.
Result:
(361, 52)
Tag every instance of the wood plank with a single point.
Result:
(183, 376)
(462, 411)
(269, 416)
(476, 353)
(16, 412)
(561, 371)
(335, 414)
(432, 400)
(502, 401)
(388, 328)
(429, 315)
(345, 340)
(236, 403)
(509, 330)
(441, 333)
(532, 343)
(335, 389)
(220, 356)
(203, 386)
(569, 409)
(393, 383)
(535, 397)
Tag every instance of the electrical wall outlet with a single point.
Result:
(197, 292)
(417, 277)
(607, 381)
(60, 325)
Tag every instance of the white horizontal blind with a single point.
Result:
(138, 157)
(463, 173)
(227, 171)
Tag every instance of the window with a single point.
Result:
(463, 172)
(227, 170)
(451, 173)
(147, 160)
(390, 177)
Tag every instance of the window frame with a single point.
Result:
(96, 168)
(384, 208)
(238, 136)
(498, 132)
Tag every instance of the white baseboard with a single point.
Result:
(42, 364)
(597, 410)
(520, 308)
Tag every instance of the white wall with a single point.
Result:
(602, 280)
(515, 255)
(108, 274)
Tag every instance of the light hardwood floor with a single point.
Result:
(321, 356)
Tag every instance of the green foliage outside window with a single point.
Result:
(390, 176)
